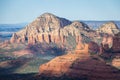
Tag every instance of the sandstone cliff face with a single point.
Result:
(50, 28)
(108, 28)
(82, 48)
(79, 66)
(111, 44)
(40, 29)
(108, 40)
(59, 65)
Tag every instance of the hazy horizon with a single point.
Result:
(20, 11)
(20, 23)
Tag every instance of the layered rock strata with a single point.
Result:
(79, 66)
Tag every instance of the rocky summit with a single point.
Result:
(50, 28)
(109, 28)
(41, 29)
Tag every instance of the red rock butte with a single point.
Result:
(79, 66)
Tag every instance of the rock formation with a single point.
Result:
(108, 28)
(116, 62)
(50, 28)
(111, 44)
(82, 48)
(40, 29)
(79, 66)
(108, 40)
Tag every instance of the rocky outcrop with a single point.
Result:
(108, 40)
(40, 29)
(50, 28)
(87, 48)
(79, 66)
(116, 62)
(111, 44)
(13, 38)
(82, 48)
(59, 65)
(116, 43)
(108, 28)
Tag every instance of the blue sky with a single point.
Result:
(19, 11)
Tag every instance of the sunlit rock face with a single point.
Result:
(108, 40)
(80, 66)
(50, 28)
(108, 28)
(82, 48)
(68, 34)
(111, 44)
(40, 29)
(108, 32)
(59, 65)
